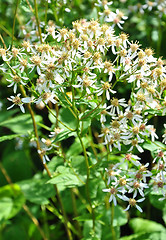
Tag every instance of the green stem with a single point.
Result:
(45, 221)
(72, 130)
(14, 21)
(3, 42)
(45, 20)
(87, 180)
(71, 110)
(112, 219)
(159, 37)
(30, 7)
(37, 20)
(6, 31)
(76, 213)
(66, 222)
(92, 110)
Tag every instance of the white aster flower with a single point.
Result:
(132, 203)
(16, 100)
(114, 194)
(15, 81)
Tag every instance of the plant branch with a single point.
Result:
(87, 180)
(112, 219)
(30, 6)
(14, 21)
(3, 42)
(37, 20)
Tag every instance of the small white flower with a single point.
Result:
(132, 202)
(15, 81)
(16, 100)
(114, 194)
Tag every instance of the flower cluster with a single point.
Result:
(82, 66)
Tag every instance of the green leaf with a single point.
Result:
(120, 217)
(63, 135)
(15, 231)
(6, 205)
(146, 236)
(76, 148)
(107, 234)
(65, 178)
(52, 115)
(21, 124)
(164, 213)
(83, 217)
(88, 232)
(154, 200)
(89, 114)
(26, 9)
(5, 115)
(63, 97)
(155, 35)
(67, 117)
(12, 197)
(17, 163)
(95, 186)
(54, 163)
(9, 137)
(143, 225)
(78, 163)
(93, 14)
(85, 126)
(36, 190)
(153, 146)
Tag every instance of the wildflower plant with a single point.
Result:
(76, 77)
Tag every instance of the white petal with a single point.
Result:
(22, 108)
(139, 209)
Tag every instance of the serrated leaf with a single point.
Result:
(36, 190)
(78, 163)
(89, 114)
(65, 178)
(63, 135)
(65, 100)
(83, 217)
(26, 9)
(9, 137)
